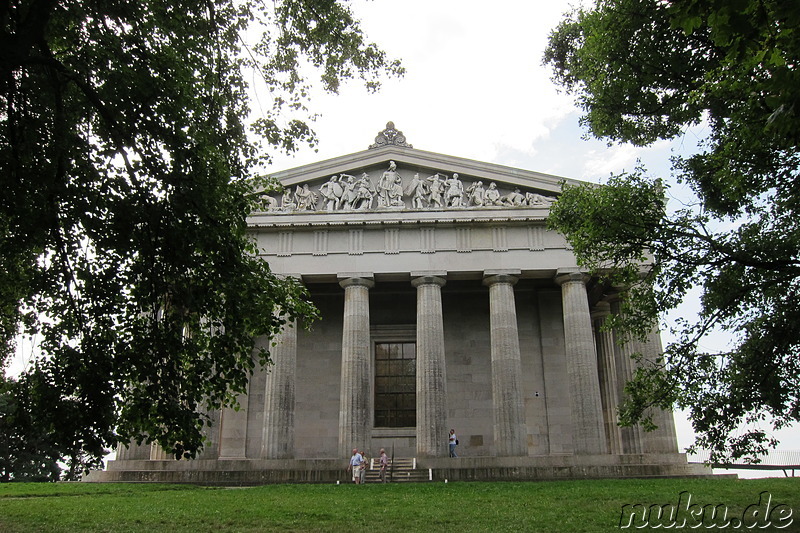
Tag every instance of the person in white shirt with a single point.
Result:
(453, 443)
(356, 464)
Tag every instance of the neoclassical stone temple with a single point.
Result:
(446, 303)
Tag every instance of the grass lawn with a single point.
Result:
(557, 506)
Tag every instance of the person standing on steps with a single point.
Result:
(384, 464)
(364, 466)
(453, 443)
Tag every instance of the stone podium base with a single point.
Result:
(554, 467)
(239, 472)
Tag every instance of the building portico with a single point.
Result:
(446, 302)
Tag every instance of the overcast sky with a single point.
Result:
(475, 87)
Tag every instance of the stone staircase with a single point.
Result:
(401, 470)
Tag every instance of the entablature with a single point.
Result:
(266, 221)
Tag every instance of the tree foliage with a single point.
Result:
(128, 169)
(25, 453)
(644, 70)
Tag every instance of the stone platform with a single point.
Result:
(239, 472)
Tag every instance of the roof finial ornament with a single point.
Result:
(390, 135)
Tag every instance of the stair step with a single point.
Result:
(401, 470)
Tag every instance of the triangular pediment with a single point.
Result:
(391, 178)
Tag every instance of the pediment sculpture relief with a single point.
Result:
(346, 192)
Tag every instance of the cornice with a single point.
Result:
(413, 159)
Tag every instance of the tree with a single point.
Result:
(128, 171)
(644, 70)
(26, 454)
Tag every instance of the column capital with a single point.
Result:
(356, 281)
(287, 275)
(500, 277)
(427, 279)
(570, 276)
(611, 295)
(601, 309)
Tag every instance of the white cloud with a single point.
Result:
(600, 162)
(474, 84)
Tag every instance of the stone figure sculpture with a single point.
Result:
(331, 191)
(514, 199)
(396, 193)
(365, 193)
(385, 184)
(268, 203)
(304, 198)
(436, 189)
(475, 193)
(287, 204)
(350, 191)
(537, 200)
(492, 195)
(347, 192)
(455, 192)
(418, 191)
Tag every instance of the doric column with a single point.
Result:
(510, 433)
(157, 453)
(233, 430)
(133, 451)
(211, 436)
(662, 439)
(354, 423)
(625, 348)
(607, 373)
(581, 353)
(278, 440)
(432, 436)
